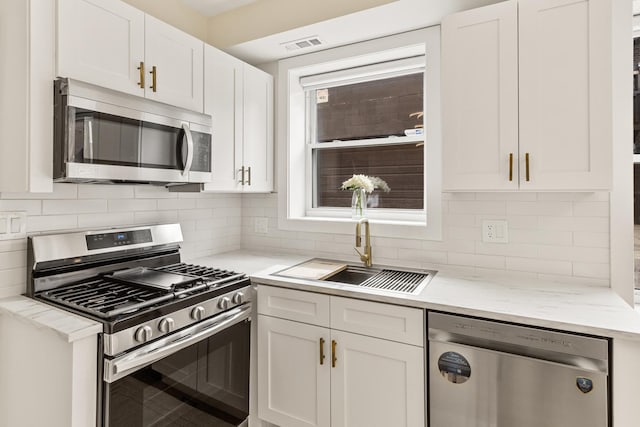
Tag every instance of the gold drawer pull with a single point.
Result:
(141, 69)
(333, 353)
(154, 75)
(510, 166)
(526, 162)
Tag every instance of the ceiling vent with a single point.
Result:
(304, 43)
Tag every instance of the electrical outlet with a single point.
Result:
(261, 225)
(13, 225)
(495, 231)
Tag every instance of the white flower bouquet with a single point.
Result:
(367, 183)
(361, 185)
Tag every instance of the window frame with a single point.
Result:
(295, 198)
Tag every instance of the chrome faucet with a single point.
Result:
(366, 256)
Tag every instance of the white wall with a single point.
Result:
(554, 236)
(211, 223)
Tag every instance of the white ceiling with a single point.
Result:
(392, 18)
(215, 7)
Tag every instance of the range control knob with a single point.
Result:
(197, 313)
(143, 334)
(238, 298)
(166, 325)
(224, 303)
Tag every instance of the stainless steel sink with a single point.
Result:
(409, 281)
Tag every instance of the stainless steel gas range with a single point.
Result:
(175, 344)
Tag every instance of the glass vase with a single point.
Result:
(359, 203)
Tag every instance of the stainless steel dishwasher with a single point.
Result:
(490, 374)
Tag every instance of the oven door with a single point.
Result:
(198, 376)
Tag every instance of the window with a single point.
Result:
(370, 108)
(372, 127)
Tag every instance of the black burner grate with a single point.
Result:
(106, 297)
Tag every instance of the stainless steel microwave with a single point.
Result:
(102, 135)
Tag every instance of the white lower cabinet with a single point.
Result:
(314, 375)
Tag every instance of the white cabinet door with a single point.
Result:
(258, 130)
(565, 100)
(240, 99)
(376, 383)
(101, 42)
(27, 43)
(480, 98)
(223, 100)
(179, 69)
(293, 384)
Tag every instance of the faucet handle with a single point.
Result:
(363, 257)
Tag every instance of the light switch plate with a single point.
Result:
(13, 225)
(495, 231)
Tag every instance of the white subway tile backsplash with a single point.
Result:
(551, 235)
(57, 207)
(60, 191)
(478, 207)
(96, 191)
(589, 209)
(9, 260)
(560, 237)
(104, 220)
(153, 192)
(540, 208)
(591, 270)
(591, 239)
(51, 223)
(132, 205)
(544, 266)
(543, 237)
(211, 223)
(176, 204)
(155, 217)
(31, 207)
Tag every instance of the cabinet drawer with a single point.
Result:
(295, 305)
(392, 322)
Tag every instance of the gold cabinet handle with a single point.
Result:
(241, 170)
(510, 166)
(526, 163)
(249, 173)
(154, 76)
(322, 351)
(333, 353)
(141, 69)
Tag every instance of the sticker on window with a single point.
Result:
(322, 96)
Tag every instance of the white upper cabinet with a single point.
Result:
(480, 98)
(114, 45)
(101, 42)
(239, 98)
(525, 99)
(565, 93)
(174, 65)
(27, 44)
(257, 153)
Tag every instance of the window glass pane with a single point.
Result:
(400, 165)
(378, 108)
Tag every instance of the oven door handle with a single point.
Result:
(138, 359)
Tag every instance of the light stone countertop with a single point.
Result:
(577, 308)
(68, 326)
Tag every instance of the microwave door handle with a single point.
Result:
(187, 134)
